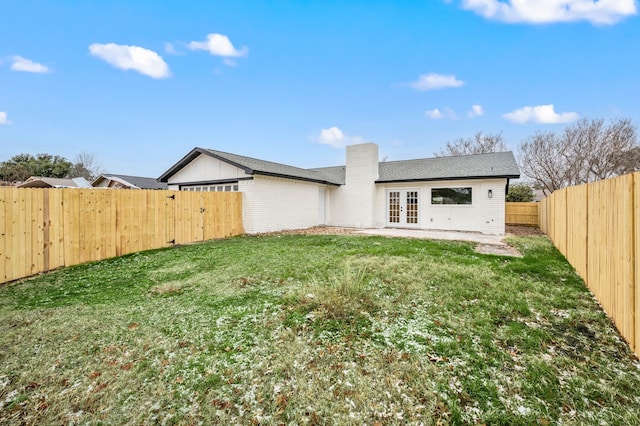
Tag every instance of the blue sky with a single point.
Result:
(140, 83)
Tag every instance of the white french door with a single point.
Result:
(402, 207)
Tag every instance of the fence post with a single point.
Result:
(44, 229)
(635, 217)
(587, 239)
(602, 243)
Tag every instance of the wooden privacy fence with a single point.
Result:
(597, 228)
(521, 214)
(44, 229)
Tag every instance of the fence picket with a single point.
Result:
(43, 229)
(597, 227)
(521, 214)
(636, 259)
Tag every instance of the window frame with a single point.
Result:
(214, 187)
(470, 203)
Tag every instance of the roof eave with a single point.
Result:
(247, 170)
(283, 176)
(192, 155)
(448, 178)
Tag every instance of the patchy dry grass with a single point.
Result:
(314, 329)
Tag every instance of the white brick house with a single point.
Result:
(464, 193)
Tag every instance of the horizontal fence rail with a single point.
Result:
(521, 214)
(597, 228)
(44, 229)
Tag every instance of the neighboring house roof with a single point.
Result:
(47, 182)
(136, 182)
(479, 166)
(251, 166)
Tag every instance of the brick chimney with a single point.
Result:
(360, 189)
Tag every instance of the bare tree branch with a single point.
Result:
(87, 166)
(586, 151)
(479, 144)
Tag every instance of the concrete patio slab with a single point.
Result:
(476, 237)
(486, 244)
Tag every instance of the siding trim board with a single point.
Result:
(247, 170)
(192, 155)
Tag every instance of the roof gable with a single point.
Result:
(477, 166)
(251, 166)
(49, 182)
(133, 181)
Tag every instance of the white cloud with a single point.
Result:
(174, 48)
(599, 12)
(219, 45)
(434, 114)
(3, 119)
(170, 48)
(335, 138)
(27, 65)
(437, 114)
(544, 114)
(230, 62)
(475, 111)
(435, 81)
(135, 58)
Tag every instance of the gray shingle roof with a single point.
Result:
(493, 165)
(496, 164)
(252, 166)
(333, 174)
(48, 182)
(138, 181)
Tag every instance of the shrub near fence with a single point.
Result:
(521, 214)
(44, 229)
(597, 228)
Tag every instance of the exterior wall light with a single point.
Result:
(490, 193)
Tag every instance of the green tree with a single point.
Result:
(520, 193)
(20, 167)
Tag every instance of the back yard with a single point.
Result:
(318, 329)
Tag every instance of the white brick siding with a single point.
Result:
(484, 215)
(273, 204)
(493, 208)
(354, 203)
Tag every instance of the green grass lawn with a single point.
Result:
(321, 329)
